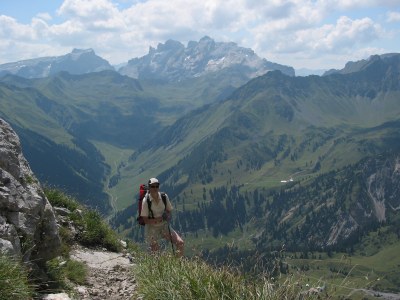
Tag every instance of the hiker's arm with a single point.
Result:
(168, 209)
(166, 215)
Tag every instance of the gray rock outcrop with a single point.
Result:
(28, 228)
(377, 199)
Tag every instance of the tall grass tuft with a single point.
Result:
(14, 282)
(168, 277)
(59, 270)
(96, 232)
(59, 198)
(93, 230)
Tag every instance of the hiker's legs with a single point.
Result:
(177, 240)
(154, 246)
(152, 235)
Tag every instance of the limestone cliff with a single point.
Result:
(28, 227)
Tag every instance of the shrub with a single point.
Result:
(58, 198)
(59, 271)
(55, 274)
(98, 233)
(67, 239)
(75, 271)
(13, 280)
(93, 230)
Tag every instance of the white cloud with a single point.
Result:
(302, 34)
(94, 15)
(325, 45)
(87, 9)
(393, 16)
(158, 20)
(44, 16)
(347, 33)
(282, 29)
(11, 29)
(356, 4)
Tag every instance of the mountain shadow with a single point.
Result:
(81, 172)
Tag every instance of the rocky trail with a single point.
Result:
(109, 276)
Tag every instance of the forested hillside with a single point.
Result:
(282, 161)
(329, 212)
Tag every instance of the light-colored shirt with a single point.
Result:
(157, 208)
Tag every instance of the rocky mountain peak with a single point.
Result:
(79, 53)
(173, 61)
(170, 45)
(79, 61)
(207, 43)
(204, 42)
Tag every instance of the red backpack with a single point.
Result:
(143, 189)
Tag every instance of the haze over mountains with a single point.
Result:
(221, 128)
(171, 61)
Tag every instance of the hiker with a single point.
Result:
(158, 227)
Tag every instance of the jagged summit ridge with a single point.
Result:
(173, 61)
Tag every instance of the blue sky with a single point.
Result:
(314, 34)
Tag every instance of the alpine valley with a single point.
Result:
(254, 158)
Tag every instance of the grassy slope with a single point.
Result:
(114, 157)
(344, 274)
(337, 151)
(164, 101)
(19, 107)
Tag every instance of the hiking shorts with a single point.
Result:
(154, 233)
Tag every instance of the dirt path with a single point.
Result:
(381, 295)
(109, 276)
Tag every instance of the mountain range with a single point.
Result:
(171, 61)
(245, 148)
